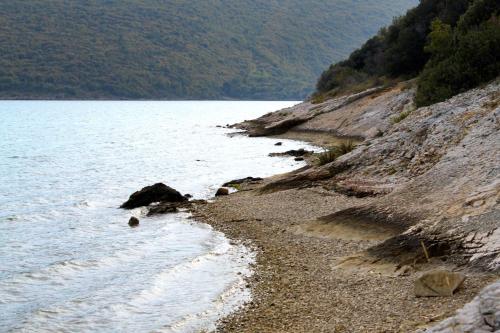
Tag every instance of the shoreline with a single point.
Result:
(297, 285)
(340, 246)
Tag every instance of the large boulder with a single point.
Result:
(438, 282)
(154, 193)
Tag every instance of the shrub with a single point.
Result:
(345, 147)
(333, 153)
(326, 157)
(398, 50)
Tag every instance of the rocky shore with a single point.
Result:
(341, 245)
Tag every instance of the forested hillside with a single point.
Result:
(450, 46)
(175, 49)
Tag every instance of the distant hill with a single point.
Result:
(175, 49)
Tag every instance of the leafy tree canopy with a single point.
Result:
(451, 46)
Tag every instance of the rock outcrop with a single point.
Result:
(155, 193)
(440, 164)
(362, 115)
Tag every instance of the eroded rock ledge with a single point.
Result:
(440, 163)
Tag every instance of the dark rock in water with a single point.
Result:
(278, 143)
(295, 153)
(133, 222)
(163, 208)
(154, 193)
(222, 191)
(188, 196)
(298, 159)
(172, 207)
(241, 181)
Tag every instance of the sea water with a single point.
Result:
(69, 262)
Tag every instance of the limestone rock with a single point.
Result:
(480, 315)
(438, 283)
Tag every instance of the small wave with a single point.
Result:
(160, 283)
(232, 297)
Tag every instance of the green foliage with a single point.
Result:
(462, 58)
(235, 186)
(327, 157)
(158, 49)
(400, 117)
(333, 153)
(452, 46)
(396, 51)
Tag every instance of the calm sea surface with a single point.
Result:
(68, 260)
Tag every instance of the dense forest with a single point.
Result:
(177, 49)
(450, 46)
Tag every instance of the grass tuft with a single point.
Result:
(333, 153)
(400, 117)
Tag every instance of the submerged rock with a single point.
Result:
(294, 152)
(242, 181)
(163, 208)
(278, 143)
(155, 193)
(222, 191)
(133, 222)
(172, 207)
(438, 283)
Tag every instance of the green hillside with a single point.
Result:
(449, 46)
(175, 49)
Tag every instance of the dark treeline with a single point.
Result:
(451, 45)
